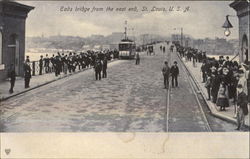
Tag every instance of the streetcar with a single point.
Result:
(127, 49)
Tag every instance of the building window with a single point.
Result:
(1, 47)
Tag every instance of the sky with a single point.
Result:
(203, 18)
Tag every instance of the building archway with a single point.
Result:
(244, 49)
(14, 52)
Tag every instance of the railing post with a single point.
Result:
(33, 68)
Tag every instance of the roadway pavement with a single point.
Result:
(131, 98)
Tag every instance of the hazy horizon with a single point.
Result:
(204, 18)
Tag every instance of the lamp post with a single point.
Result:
(227, 25)
(181, 34)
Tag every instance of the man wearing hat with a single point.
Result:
(242, 109)
(41, 65)
(174, 73)
(166, 72)
(98, 69)
(27, 74)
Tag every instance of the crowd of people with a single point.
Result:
(66, 63)
(224, 80)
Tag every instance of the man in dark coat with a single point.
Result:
(46, 64)
(12, 76)
(137, 58)
(174, 73)
(104, 68)
(27, 74)
(166, 72)
(242, 109)
(58, 66)
(98, 69)
(203, 70)
(41, 65)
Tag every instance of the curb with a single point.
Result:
(46, 83)
(213, 112)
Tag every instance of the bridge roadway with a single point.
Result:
(132, 98)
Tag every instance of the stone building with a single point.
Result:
(12, 36)
(243, 9)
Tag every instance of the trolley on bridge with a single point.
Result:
(127, 49)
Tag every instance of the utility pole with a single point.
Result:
(181, 36)
(125, 33)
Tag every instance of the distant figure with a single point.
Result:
(98, 69)
(208, 86)
(27, 74)
(41, 65)
(46, 64)
(174, 73)
(163, 49)
(104, 68)
(27, 59)
(222, 98)
(242, 109)
(58, 65)
(137, 58)
(12, 76)
(165, 73)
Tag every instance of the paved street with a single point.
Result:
(130, 99)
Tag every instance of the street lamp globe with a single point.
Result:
(227, 25)
(227, 32)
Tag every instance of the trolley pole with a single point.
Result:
(181, 36)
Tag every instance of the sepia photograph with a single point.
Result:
(139, 70)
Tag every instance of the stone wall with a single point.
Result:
(244, 30)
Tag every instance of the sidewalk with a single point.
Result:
(35, 82)
(226, 115)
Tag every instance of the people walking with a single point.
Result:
(27, 74)
(98, 69)
(46, 64)
(166, 73)
(208, 86)
(174, 73)
(242, 109)
(137, 58)
(104, 68)
(12, 76)
(41, 65)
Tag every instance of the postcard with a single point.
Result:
(124, 79)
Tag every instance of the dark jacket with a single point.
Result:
(174, 70)
(98, 66)
(12, 75)
(105, 64)
(242, 102)
(165, 70)
(27, 71)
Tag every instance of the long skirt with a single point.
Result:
(222, 102)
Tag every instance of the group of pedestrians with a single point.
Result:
(163, 49)
(224, 80)
(191, 54)
(172, 71)
(64, 63)
(12, 75)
